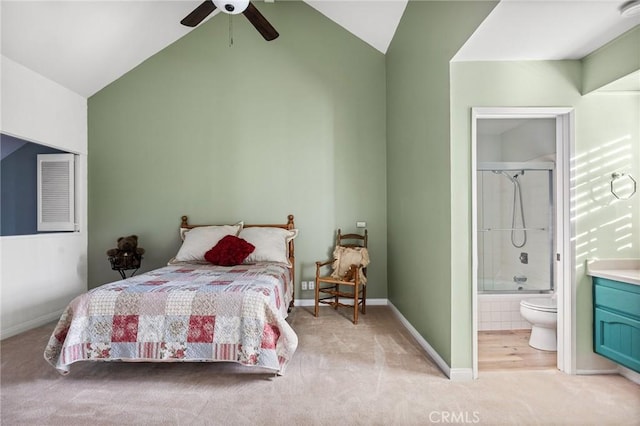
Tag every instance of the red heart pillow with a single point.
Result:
(229, 251)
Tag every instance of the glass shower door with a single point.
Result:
(515, 235)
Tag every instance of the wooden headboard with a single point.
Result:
(289, 225)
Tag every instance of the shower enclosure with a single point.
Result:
(515, 227)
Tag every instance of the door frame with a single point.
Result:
(564, 228)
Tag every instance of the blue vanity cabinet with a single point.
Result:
(616, 331)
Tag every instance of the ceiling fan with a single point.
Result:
(232, 7)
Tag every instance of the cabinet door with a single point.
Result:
(617, 338)
(617, 297)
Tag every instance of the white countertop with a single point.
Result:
(623, 270)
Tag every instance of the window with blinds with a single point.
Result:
(56, 192)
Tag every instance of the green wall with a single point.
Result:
(251, 132)
(428, 167)
(607, 139)
(418, 168)
(616, 59)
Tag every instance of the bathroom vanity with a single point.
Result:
(616, 304)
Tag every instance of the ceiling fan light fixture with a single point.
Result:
(232, 7)
(630, 8)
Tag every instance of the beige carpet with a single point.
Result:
(370, 374)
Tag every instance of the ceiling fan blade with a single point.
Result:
(260, 22)
(199, 13)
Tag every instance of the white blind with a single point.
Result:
(56, 192)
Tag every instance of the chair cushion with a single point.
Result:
(347, 256)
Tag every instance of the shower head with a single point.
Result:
(504, 173)
(511, 178)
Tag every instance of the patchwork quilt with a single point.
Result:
(185, 312)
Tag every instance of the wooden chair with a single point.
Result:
(334, 288)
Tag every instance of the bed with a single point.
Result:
(192, 310)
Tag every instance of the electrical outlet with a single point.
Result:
(361, 224)
(312, 285)
(303, 284)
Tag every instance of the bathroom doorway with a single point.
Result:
(521, 233)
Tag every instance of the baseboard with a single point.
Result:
(622, 371)
(28, 325)
(629, 374)
(595, 372)
(460, 374)
(454, 374)
(370, 302)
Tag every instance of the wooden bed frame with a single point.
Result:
(289, 225)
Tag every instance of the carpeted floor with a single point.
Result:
(370, 374)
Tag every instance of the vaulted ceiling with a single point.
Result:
(85, 45)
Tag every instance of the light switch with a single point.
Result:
(361, 224)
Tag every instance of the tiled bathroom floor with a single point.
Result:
(509, 350)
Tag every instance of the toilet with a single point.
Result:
(543, 316)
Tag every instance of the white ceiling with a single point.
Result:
(85, 45)
(374, 21)
(546, 30)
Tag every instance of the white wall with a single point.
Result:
(40, 274)
(507, 139)
(535, 139)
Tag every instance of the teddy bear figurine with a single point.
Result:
(128, 255)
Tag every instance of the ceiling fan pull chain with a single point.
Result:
(230, 31)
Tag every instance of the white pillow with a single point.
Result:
(184, 231)
(271, 244)
(201, 239)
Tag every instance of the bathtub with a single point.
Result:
(531, 286)
(502, 311)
